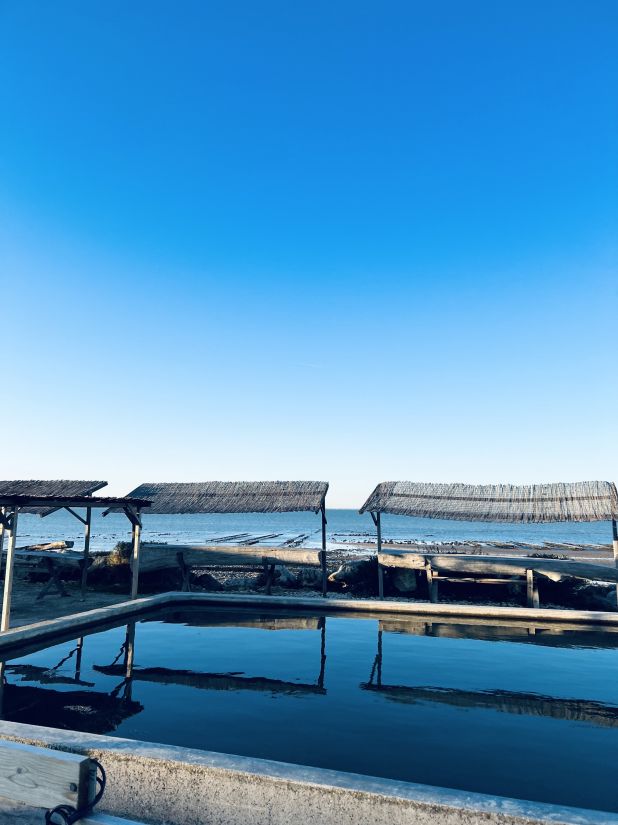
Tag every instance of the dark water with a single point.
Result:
(343, 526)
(516, 711)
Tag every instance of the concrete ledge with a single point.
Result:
(34, 635)
(182, 786)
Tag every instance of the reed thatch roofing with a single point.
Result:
(234, 496)
(580, 501)
(61, 488)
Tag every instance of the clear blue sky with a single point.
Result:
(354, 241)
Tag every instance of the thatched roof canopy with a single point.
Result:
(580, 501)
(59, 488)
(234, 496)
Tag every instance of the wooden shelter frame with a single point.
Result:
(531, 583)
(194, 509)
(12, 505)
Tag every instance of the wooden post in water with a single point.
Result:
(323, 554)
(87, 524)
(8, 573)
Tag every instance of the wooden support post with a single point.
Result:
(87, 525)
(185, 572)
(380, 571)
(136, 534)
(8, 574)
(532, 589)
(269, 578)
(323, 554)
(432, 584)
(1, 537)
(615, 548)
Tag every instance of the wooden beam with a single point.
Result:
(159, 556)
(8, 575)
(87, 526)
(555, 569)
(43, 777)
(75, 515)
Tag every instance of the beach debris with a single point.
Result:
(50, 545)
(356, 576)
(404, 581)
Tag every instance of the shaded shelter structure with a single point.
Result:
(239, 497)
(44, 498)
(65, 487)
(583, 501)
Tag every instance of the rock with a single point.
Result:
(310, 578)
(240, 583)
(357, 576)
(206, 581)
(404, 581)
(283, 577)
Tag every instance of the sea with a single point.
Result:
(276, 529)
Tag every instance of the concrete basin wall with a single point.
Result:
(180, 786)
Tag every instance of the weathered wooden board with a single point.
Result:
(554, 569)
(69, 559)
(160, 556)
(43, 777)
(105, 819)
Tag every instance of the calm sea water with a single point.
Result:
(343, 525)
(520, 712)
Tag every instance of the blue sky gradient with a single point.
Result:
(351, 241)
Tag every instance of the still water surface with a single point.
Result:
(516, 711)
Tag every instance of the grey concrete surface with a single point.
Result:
(163, 784)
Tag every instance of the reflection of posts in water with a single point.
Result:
(376, 669)
(78, 658)
(129, 657)
(322, 626)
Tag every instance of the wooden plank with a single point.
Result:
(105, 819)
(43, 777)
(554, 569)
(158, 556)
(70, 559)
(480, 580)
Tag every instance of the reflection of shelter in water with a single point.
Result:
(548, 634)
(85, 710)
(503, 701)
(234, 680)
